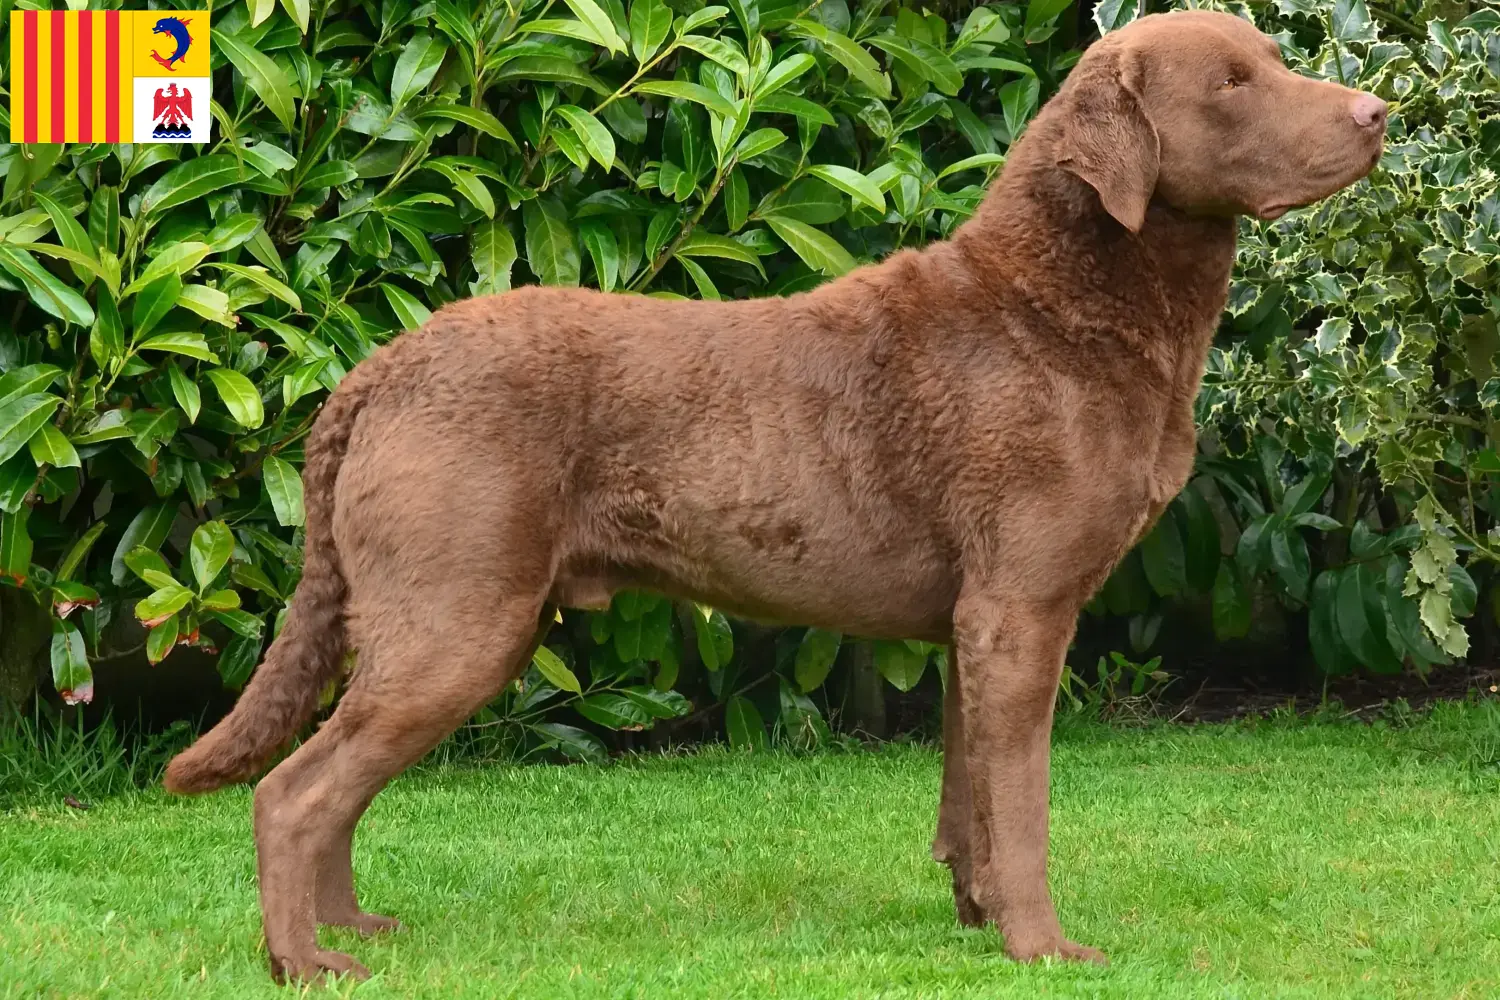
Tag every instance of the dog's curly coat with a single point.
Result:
(956, 444)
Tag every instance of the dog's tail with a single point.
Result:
(284, 693)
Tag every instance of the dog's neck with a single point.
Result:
(1042, 232)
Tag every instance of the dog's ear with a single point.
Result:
(1107, 140)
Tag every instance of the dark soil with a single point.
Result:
(1217, 698)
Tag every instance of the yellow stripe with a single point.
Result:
(17, 77)
(98, 75)
(127, 74)
(70, 76)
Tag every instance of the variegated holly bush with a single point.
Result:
(1349, 410)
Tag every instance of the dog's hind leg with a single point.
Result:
(952, 845)
(418, 678)
(336, 903)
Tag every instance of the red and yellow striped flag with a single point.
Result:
(78, 76)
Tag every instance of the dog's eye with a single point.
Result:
(1229, 83)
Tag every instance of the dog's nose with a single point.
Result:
(1369, 112)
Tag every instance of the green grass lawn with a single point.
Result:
(1253, 861)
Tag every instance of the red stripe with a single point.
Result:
(59, 75)
(28, 113)
(111, 76)
(86, 76)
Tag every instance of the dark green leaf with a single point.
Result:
(1163, 558)
(742, 720)
(687, 92)
(71, 234)
(604, 249)
(1253, 552)
(239, 396)
(153, 303)
(860, 64)
(27, 381)
(50, 295)
(162, 603)
(571, 741)
(209, 552)
(1289, 557)
(659, 704)
(493, 251)
(71, 675)
(242, 623)
(715, 639)
(146, 529)
(650, 23)
(421, 56)
(548, 69)
(192, 179)
(412, 314)
(815, 656)
(1041, 12)
(1328, 644)
(473, 117)
(899, 664)
(284, 489)
(50, 447)
(15, 546)
(238, 661)
(613, 711)
(80, 550)
(551, 251)
(22, 417)
(1018, 101)
(264, 77)
(923, 58)
(817, 249)
(1363, 632)
(161, 639)
(787, 104)
(720, 50)
(591, 132)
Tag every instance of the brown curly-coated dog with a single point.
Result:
(956, 444)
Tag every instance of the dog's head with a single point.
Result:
(1196, 109)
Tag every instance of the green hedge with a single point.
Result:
(174, 315)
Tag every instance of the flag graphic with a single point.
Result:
(109, 76)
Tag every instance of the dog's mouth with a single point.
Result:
(1342, 179)
(1270, 212)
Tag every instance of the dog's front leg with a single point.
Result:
(1011, 654)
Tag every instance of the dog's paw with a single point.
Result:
(316, 966)
(366, 924)
(970, 913)
(1024, 949)
(1071, 951)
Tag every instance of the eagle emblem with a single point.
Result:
(172, 111)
